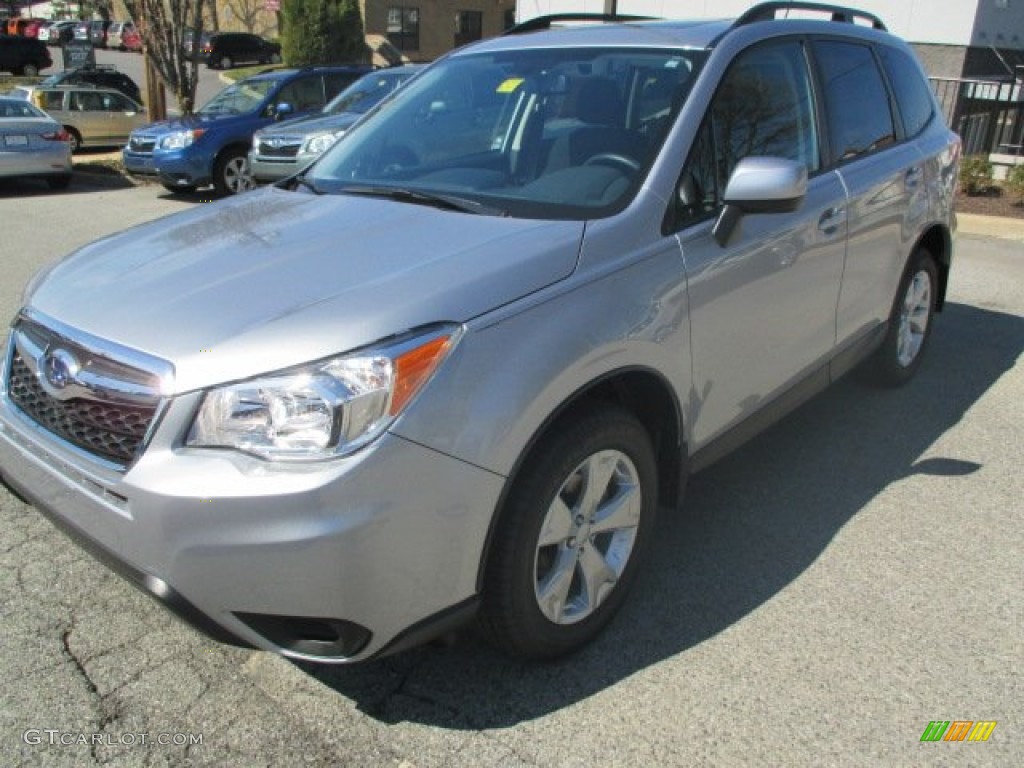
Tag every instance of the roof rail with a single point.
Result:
(546, 22)
(767, 12)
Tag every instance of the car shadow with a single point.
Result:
(749, 526)
(82, 182)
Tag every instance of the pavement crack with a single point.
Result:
(106, 708)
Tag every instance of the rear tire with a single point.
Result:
(76, 138)
(571, 534)
(910, 324)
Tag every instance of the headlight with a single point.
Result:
(181, 139)
(320, 142)
(327, 409)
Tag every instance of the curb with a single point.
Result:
(1000, 227)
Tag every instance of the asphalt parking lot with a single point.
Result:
(825, 593)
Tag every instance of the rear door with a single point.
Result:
(122, 117)
(884, 176)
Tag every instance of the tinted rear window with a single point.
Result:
(913, 96)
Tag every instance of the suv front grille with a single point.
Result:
(141, 144)
(111, 431)
(278, 148)
(101, 405)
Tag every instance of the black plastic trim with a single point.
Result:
(840, 13)
(441, 623)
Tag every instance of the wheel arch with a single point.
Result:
(644, 393)
(938, 241)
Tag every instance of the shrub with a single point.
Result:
(1015, 182)
(975, 174)
(322, 32)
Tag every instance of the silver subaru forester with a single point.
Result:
(451, 370)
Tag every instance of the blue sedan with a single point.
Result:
(33, 144)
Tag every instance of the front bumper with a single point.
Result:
(370, 548)
(181, 168)
(264, 170)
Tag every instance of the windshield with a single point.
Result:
(238, 99)
(364, 93)
(531, 133)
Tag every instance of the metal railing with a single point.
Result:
(988, 114)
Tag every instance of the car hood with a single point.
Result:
(188, 122)
(307, 125)
(272, 279)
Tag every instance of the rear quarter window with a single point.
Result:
(913, 96)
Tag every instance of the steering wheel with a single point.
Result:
(614, 160)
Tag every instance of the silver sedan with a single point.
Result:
(33, 144)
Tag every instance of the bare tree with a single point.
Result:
(163, 25)
(247, 12)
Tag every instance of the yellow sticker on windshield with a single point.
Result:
(510, 85)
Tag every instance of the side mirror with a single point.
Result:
(760, 185)
(283, 110)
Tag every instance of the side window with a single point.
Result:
(336, 82)
(763, 107)
(52, 100)
(913, 96)
(856, 102)
(304, 94)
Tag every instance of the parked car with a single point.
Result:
(453, 369)
(211, 146)
(188, 43)
(83, 31)
(100, 75)
(58, 33)
(32, 144)
(282, 149)
(225, 50)
(123, 36)
(131, 38)
(25, 27)
(23, 55)
(98, 33)
(32, 27)
(93, 117)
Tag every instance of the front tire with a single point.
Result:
(231, 173)
(225, 63)
(570, 536)
(30, 70)
(910, 324)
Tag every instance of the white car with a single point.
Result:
(33, 144)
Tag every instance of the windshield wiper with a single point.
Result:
(302, 181)
(436, 199)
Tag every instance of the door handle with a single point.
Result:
(831, 220)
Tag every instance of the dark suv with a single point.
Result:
(211, 146)
(106, 77)
(23, 55)
(226, 49)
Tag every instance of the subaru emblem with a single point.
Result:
(59, 368)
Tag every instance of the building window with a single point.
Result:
(404, 27)
(469, 26)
